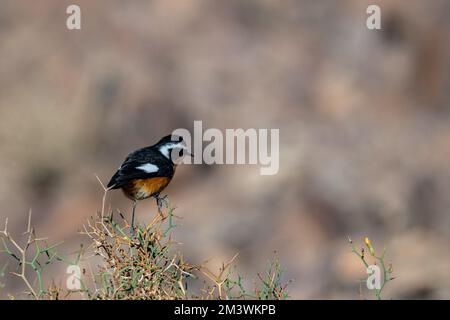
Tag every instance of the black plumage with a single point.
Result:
(149, 155)
(129, 169)
(147, 171)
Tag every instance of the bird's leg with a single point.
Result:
(132, 217)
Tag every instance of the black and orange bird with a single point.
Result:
(147, 171)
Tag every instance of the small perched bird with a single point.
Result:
(147, 171)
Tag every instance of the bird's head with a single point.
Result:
(173, 148)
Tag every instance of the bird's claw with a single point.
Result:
(160, 202)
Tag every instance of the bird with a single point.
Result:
(146, 172)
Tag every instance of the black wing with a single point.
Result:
(160, 167)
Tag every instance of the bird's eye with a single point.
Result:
(177, 155)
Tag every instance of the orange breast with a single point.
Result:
(139, 189)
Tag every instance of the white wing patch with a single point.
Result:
(148, 167)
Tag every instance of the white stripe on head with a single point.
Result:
(165, 149)
(148, 167)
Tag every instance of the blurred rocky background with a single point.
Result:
(364, 119)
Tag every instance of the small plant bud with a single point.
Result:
(369, 246)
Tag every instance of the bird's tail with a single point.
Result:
(113, 183)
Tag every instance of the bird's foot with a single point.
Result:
(160, 202)
(133, 231)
